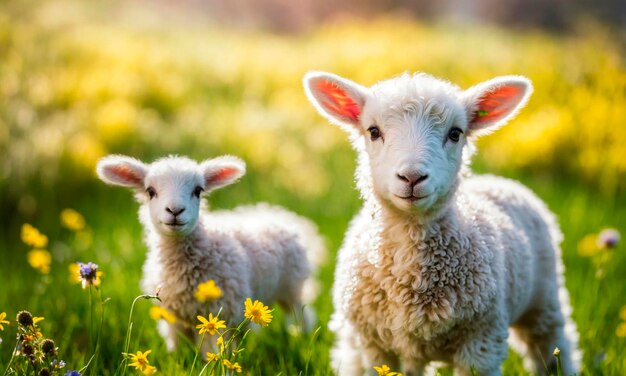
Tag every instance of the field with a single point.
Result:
(77, 85)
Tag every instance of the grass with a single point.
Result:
(78, 86)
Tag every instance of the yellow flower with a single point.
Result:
(3, 315)
(208, 291)
(149, 370)
(32, 237)
(622, 313)
(160, 313)
(220, 344)
(140, 360)
(384, 370)
(40, 259)
(74, 270)
(232, 366)
(587, 246)
(211, 326)
(72, 220)
(210, 357)
(258, 313)
(621, 330)
(37, 319)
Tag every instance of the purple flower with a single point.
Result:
(72, 373)
(608, 238)
(88, 271)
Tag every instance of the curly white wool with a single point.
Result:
(438, 265)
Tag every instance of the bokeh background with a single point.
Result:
(79, 80)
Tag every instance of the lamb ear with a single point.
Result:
(123, 171)
(222, 171)
(491, 104)
(336, 98)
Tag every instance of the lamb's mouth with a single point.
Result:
(412, 198)
(174, 224)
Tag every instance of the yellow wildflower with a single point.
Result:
(40, 259)
(37, 319)
(384, 370)
(220, 344)
(140, 360)
(210, 357)
(149, 370)
(257, 312)
(72, 220)
(74, 270)
(621, 330)
(32, 237)
(3, 315)
(160, 313)
(622, 313)
(232, 366)
(211, 326)
(587, 246)
(208, 291)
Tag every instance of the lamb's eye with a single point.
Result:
(374, 132)
(455, 134)
(151, 192)
(198, 191)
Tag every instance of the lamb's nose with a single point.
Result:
(412, 177)
(175, 210)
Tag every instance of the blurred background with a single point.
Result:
(79, 80)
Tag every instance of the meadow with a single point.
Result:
(77, 84)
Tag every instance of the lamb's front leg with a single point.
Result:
(169, 334)
(484, 351)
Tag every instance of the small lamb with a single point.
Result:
(438, 264)
(261, 252)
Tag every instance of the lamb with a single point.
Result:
(439, 264)
(261, 252)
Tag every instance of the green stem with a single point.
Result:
(196, 356)
(6, 371)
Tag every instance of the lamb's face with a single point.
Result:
(173, 194)
(171, 187)
(414, 133)
(412, 130)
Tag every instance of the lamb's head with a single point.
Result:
(411, 130)
(171, 187)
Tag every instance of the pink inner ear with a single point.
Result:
(497, 104)
(126, 174)
(224, 174)
(337, 100)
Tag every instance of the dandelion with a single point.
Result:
(72, 220)
(384, 370)
(40, 260)
(89, 274)
(621, 330)
(232, 366)
(608, 238)
(32, 237)
(140, 360)
(211, 326)
(257, 312)
(3, 315)
(208, 291)
(211, 357)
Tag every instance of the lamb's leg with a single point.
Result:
(169, 334)
(346, 354)
(414, 367)
(484, 351)
(541, 331)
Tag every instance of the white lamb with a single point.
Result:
(438, 265)
(261, 252)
